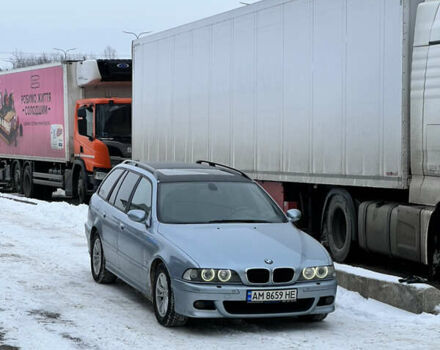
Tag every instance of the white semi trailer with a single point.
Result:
(334, 105)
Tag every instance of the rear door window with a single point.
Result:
(142, 196)
(116, 189)
(109, 182)
(124, 193)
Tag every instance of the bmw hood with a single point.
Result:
(240, 246)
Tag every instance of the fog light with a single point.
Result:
(204, 305)
(323, 301)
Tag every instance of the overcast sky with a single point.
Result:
(90, 25)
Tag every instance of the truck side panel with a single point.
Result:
(307, 91)
(32, 114)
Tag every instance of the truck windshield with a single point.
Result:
(215, 202)
(113, 121)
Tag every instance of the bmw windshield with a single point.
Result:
(215, 202)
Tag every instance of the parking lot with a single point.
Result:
(50, 301)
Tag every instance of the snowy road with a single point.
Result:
(48, 300)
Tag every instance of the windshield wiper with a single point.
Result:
(239, 221)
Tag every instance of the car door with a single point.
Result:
(108, 233)
(136, 244)
(120, 218)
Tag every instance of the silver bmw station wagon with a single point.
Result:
(204, 240)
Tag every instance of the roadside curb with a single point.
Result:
(415, 298)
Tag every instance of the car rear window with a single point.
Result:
(142, 196)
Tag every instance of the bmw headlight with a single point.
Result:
(211, 276)
(207, 275)
(318, 273)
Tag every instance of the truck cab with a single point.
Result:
(102, 123)
(102, 138)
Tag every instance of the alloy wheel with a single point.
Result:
(162, 292)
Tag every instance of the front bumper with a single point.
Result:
(230, 300)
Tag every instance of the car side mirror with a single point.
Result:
(294, 215)
(137, 215)
(140, 216)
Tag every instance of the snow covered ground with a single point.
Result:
(48, 300)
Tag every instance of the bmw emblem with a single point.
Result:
(268, 261)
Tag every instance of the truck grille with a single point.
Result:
(245, 308)
(258, 275)
(283, 275)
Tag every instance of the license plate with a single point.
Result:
(260, 296)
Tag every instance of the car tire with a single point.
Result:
(341, 225)
(313, 318)
(163, 300)
(97, 263)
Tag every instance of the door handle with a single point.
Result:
(122, 226)
(104, 215)
(81, 149)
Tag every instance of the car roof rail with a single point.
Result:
(218, 165)
(140, 165)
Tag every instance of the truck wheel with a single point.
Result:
(31, 190)
(81, 190)
(17, 185)
(435, 258)
(163, 300)
(341, 223)
(28, 186)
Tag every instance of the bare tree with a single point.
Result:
(110, 52)
(19, 59)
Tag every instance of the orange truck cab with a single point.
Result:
(102, 139)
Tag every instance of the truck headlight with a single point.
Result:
(100, 175)
(211, 276)
(318, 273)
